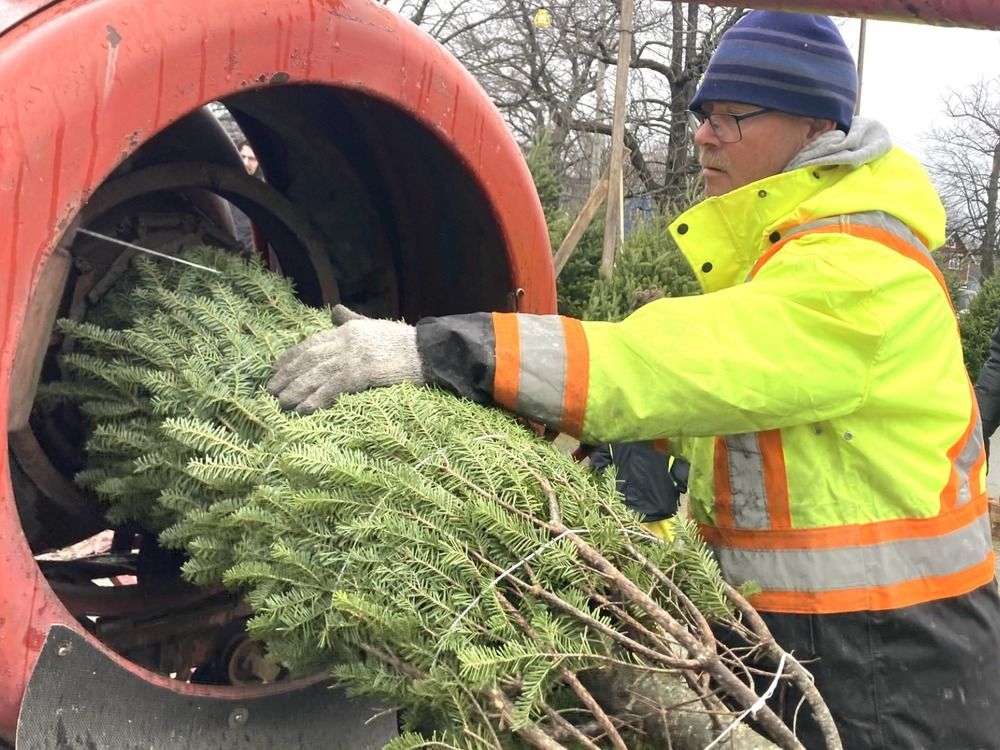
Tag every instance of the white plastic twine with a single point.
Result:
(525, 560)
(141, 249)
(752, 711)
(509, 571)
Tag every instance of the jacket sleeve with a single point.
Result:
(533, 365)
(458, 354)
(988, 386)
(763, 355)
(793, 346)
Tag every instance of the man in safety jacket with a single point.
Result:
(836, 449)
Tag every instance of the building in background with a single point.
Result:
(963, 265)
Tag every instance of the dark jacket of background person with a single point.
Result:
(988, 387)
(643, 477)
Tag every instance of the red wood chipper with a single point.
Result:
(391, 183)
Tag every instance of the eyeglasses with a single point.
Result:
(725, 126)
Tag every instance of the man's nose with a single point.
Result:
(705, 134)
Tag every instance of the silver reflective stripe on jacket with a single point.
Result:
(861, 566)
(543, 367)
(966, 459)
(746, 481)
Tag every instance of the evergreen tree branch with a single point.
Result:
(424, 549)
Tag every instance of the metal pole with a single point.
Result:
(613, 227)
(861, 63)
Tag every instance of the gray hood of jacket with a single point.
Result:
(867, 140)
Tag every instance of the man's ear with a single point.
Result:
(818, 126)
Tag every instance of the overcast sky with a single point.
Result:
(908, 68)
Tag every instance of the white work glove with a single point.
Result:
(359, 353)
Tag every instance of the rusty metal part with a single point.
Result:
(147, 600)
(247, 664)
(158, 625)
(81, 514)
(86, 569)
(294, 240)
(34, 341)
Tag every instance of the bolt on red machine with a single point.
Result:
(390, 181)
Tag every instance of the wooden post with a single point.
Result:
(613, 227)
(581, 222)
(596, 139)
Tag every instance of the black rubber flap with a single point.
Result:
(79, 699)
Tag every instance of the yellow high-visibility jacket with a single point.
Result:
(817, 388)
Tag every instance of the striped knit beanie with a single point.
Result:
(790, 62)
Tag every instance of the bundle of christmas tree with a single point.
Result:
(425, 549)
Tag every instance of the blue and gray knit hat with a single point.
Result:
(790, 62)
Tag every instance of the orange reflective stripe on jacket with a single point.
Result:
(534, 356)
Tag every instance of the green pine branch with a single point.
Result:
(424, 549)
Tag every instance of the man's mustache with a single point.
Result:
(710, 162)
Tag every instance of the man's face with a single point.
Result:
(249, 159)
(768, 143)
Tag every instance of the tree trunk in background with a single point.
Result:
(963, 158)
(986, 265)
(550, 79)
(613, 218)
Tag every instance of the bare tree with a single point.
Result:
(552, 79)
(964, 160)
(674, 42)
(538, 77)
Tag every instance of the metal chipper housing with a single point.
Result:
(390, 183)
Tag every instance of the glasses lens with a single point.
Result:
(726, 127)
